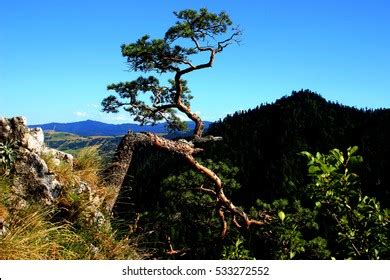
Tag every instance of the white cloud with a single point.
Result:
(80, 114)
(115, 118)
(93, 106)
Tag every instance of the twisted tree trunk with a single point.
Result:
(116, 173)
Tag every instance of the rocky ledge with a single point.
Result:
(31, 179)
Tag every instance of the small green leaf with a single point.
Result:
(376, 252)
(329, 193)
(318, 204)
(356, 159)
(313, 169)
(292, 255)
(306, 154)
(352, 150)
(281, 215)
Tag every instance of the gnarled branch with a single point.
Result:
(118, 171)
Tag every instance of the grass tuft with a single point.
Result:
(34, 237)
(88, 164)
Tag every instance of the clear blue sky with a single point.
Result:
(57, 56)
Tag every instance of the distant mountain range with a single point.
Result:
(95, 128)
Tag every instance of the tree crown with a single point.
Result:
(202, 30)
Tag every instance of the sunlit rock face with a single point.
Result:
(31, 180)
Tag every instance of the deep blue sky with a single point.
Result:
(57, 57)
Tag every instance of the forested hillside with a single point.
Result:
(262, 168)
(264, 142)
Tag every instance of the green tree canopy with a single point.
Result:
(195, 32)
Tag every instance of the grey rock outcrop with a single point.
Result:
(15, 130)
(35, 140)
(32, 179)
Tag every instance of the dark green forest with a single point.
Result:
(264, 143)
(321, 204)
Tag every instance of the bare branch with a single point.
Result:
(200, 48)
(223, 44)
(207, 190)
(179, 60)
(208, 138)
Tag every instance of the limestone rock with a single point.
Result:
(91, 214)
(58, 156)
(35, 140)
(13, 130)
(32, 179)
(32, 139)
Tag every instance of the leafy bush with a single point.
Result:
(360, 227)
(236, 251)
(337, 221)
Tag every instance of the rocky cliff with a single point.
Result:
(23, 156)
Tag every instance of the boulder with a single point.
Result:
(35, 140)
(33, 180)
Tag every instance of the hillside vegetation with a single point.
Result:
(72, 143)
(261, 164)
(315, 171)
(264, 142)
(76, 226)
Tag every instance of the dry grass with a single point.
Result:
(104, 245)
(34, 237)
(88, 164)
(31, 234)
(88, 167)
(63, 171)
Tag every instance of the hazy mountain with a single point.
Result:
(95, 128)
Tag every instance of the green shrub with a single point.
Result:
(335, 220)
(7, 156)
